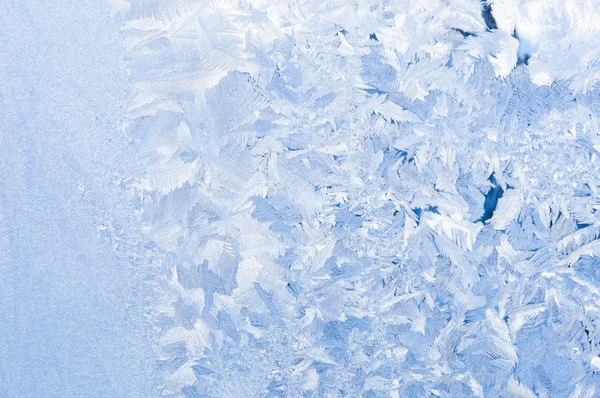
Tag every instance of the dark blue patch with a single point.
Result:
(488, 17)
(491, 199)
(464, 33)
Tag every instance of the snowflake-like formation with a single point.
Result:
(370, 198)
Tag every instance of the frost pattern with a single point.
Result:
(371, 198)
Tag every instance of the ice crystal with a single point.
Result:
(371, 198)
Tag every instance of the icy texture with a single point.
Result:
(370, 198)
(71, 272)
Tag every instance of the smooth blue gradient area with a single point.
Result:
(71, 315)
